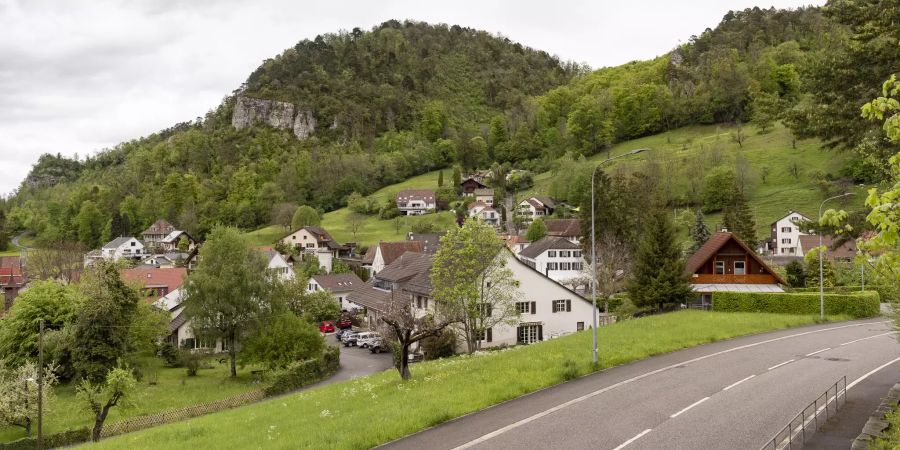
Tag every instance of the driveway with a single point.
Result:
(357, 362)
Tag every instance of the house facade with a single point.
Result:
(726, 264)
(172, 240)
(534, 207)
(316, 241)
(278, 266)
(556, 257)
(415, 202)
(484, 212)
(12, 280)
(157, 232)
(339, 286)
(469, 185)
(485, 196)
(123, 248)
(785, 237)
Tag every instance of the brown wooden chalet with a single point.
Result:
(726, 264)
(469, 185)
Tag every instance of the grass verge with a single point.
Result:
(371, 410)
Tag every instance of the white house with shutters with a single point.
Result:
(415, 202)
(123, 248)
(485, 212)
(785, 240)
(554, 256)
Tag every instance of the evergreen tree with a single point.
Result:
(738, 219)
(441, 179)
(699, 231)
(658, 267)
(457, 179)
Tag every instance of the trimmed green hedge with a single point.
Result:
(304, 373)
(859, 304)
(64, 439)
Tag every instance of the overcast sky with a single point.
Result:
(80, 75)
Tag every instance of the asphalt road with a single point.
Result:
(356, 362)
(734, 394)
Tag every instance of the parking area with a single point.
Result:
(357, 362)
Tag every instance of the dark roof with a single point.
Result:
(161, 226)
(847, 249)
(563, 227)
(322, 237)
(390, 251)
(405, 267)
(370, 297)
(547, 201)
(548, 243)
(480, 184)
(339, 282)
(430, 241)
(713, 245)
(404, 195)
(177, 322)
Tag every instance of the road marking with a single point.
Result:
(689, 407)
(589, 395)
(818, 351)
(737, 383)
(632, 439)
(779, 365)
(871, 372)
(870, 337)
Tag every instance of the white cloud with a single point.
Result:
(81, 75)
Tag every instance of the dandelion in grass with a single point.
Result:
(325, 413)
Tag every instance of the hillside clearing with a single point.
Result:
(371, 410)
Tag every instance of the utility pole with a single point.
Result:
(40, 375)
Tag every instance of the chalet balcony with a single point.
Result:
(706, 278)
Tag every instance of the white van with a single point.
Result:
(367, 338)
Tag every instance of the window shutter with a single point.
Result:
(490, 334)
(568, 305)
(540, 332)
(534, 307)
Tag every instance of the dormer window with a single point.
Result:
(720, 268)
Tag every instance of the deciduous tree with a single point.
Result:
(19, 394)
(536, 231)
(305, 216)
(100, 397)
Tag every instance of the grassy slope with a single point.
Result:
(377, 408)
(769, 201)
(174, 389)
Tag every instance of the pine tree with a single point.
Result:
(738, 219)
(658, 268)
(441, 179)
(699, 231)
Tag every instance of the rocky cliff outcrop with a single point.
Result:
(282, 115)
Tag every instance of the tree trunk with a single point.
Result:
(232, 355)
(27, 426)
(403, 364)
(98, 422)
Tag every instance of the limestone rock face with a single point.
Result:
(304, 124)
(282, 115)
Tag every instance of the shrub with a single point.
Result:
(304, 373)
(440, 346)
(191, 361)
(169, 354)
(861, 304)
(569, 370)
(64, 439)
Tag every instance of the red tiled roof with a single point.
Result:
(713, 245)
(563, 227)
(171, 279)
(11, 276)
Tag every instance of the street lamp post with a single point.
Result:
(821, 258)
(594, 248)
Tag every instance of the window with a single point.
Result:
(576, 253)
(562, 305)
(785, 229)
(740, 268)
(484, 335)
(421, 302)
(577, 266)
(720, 267)
(310, 245)
(486, 309)
(524, 307)
(565, 253)
(786, 241)
(552, 266)
(564, 266)
(526, 334)
(579, 326)
(551, 254)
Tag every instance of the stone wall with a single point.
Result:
(282, 115)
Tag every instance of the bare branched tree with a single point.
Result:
(614, 259)
(60, 261)
(408, 325)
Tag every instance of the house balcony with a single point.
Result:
(707, 278)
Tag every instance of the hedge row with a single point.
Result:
(307, 372)
(833, 289)
(64, 439)
(859, 304)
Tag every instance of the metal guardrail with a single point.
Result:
(793, 435)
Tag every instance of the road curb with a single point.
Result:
(877, 423)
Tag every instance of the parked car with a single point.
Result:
(349, 338)
(378, 346)
(344, 323)
(340, 333)
(366, 339)
(327, 327)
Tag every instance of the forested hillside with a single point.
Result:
(406, 98)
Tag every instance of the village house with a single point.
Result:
(846, 251)
(726, 264)
(383, 254)
(485, 212)
(157, 232)
(316, 241)
(547, 308)
(516, 243)
(556, 257)
(415, 202)
(153, 283)
(165, 260)
(117, 249)
(470, 185)
(12, 280)
(430, 241)
(786, 234)
(569, 229)
(172, 241)
(339, 285)
(485, 196)
(277, 265)
(534, 207)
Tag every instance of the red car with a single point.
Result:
(327, 327)
(344, 323)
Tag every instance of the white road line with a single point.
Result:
(779, 365)
(858, 380)
(689, 407)
(870, 337)
(589, 395)
(737, 383)
(632, 439)
(818, 351)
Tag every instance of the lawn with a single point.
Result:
(173, 389)
(371, 410)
